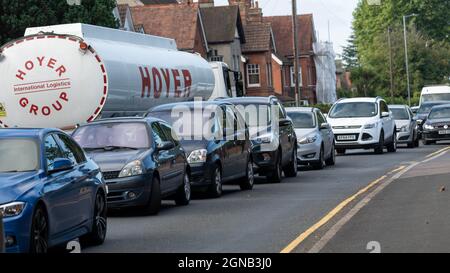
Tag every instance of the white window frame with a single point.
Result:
(254, 67)
(299, 76)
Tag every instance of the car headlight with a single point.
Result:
(266, 138)
(404, 129)
(371, 126)
(197, 156)
(307, 140)
(428, 127)
(132, 169)
(12, 209)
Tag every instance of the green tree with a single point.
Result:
(17, 15)
(350, 53)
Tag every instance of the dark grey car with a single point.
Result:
(141, 161)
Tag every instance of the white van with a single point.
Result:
(435, 93)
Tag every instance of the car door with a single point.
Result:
(60, 192)
(286, 133)
(243, 141)
(164, 159)
(388, 121)
(238, 154)
(178, 164)
(326, 133)
(84, 178)
(230, 149)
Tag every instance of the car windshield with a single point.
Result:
(256, 115)
(190, 123)
(440, 113)
(302, 120)
(18, 155)
(436, 97)
(426, 108)
(132, 135)
(400, 113)
(354, 110)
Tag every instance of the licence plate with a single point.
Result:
(444, 132)
(346, 137)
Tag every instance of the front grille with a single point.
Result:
(441, 125)
(111, 175)
(347, 127)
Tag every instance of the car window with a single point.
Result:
(70, 149)
(169, 134)
(383, 107)
(52, 151)
(354, 110)
(229, 119)
(302, 120)
(400, 113)
(320, 118)
(158, 134)
(281, 113)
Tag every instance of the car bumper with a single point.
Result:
(434, 136)
(265, 161)
(129, 191)
(363, 138)
(308, 153)
(404, 137)
(17, 230)
(200, 175)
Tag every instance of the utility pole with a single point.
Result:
(406, 56)
(295, 48)
(390, 62)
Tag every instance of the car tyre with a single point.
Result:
(154, 203)
(331, 161)
(292, 169)
(183, 196)
(216, 188)
(417, 142)
(249, 179)
(319, 165)
(392, 147)
(100, 222)
(277, 174)
(380, 147)
(39, 231)
(341, 151)
(428, 142)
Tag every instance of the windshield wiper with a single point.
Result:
(112, 148)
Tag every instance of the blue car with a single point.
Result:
(50, 192)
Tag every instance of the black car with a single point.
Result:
(219, 154)
(141, 161)
(272, 135)
(423, 111)
(437, 125)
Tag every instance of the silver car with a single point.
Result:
(407, 130)
(314, 136)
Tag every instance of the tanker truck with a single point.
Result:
(63, 75)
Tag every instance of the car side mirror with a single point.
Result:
(165, 146)
(60, 165)
(385, 114)
(285, 122)
(324, 126)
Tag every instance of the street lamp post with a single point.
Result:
(406, 56)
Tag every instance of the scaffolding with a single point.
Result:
(326, 72)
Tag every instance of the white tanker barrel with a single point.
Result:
(64, 75)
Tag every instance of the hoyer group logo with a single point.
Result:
(59, 83)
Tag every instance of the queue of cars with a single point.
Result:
(57, 187)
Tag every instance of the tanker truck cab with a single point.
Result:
(222, 88)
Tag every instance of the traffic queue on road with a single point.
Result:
(58, 187)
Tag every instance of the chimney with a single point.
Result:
(206, 3)
(255, 14)
(244, 6)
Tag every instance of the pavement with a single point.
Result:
(272, 216)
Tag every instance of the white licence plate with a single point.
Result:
(346, 137)
(444, 132)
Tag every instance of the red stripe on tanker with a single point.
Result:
(58, 83)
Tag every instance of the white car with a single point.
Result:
(363, 123)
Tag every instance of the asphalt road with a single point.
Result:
(268, 218)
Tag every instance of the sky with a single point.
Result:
(337, 12)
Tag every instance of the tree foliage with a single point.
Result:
(17, 15)
(428, 46)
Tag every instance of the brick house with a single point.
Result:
(181, 22)
(282, 29)
(225, 38)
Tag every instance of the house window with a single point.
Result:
(216, 59)
(269, 74)
(299, 76)
(253, 75)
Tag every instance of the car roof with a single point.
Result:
(189, 104)
(442, 106)
(361, 99)
(300, 109)
(247, 100)
(123, 119)
(398, 106)
(27, 132)
(437, 102)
